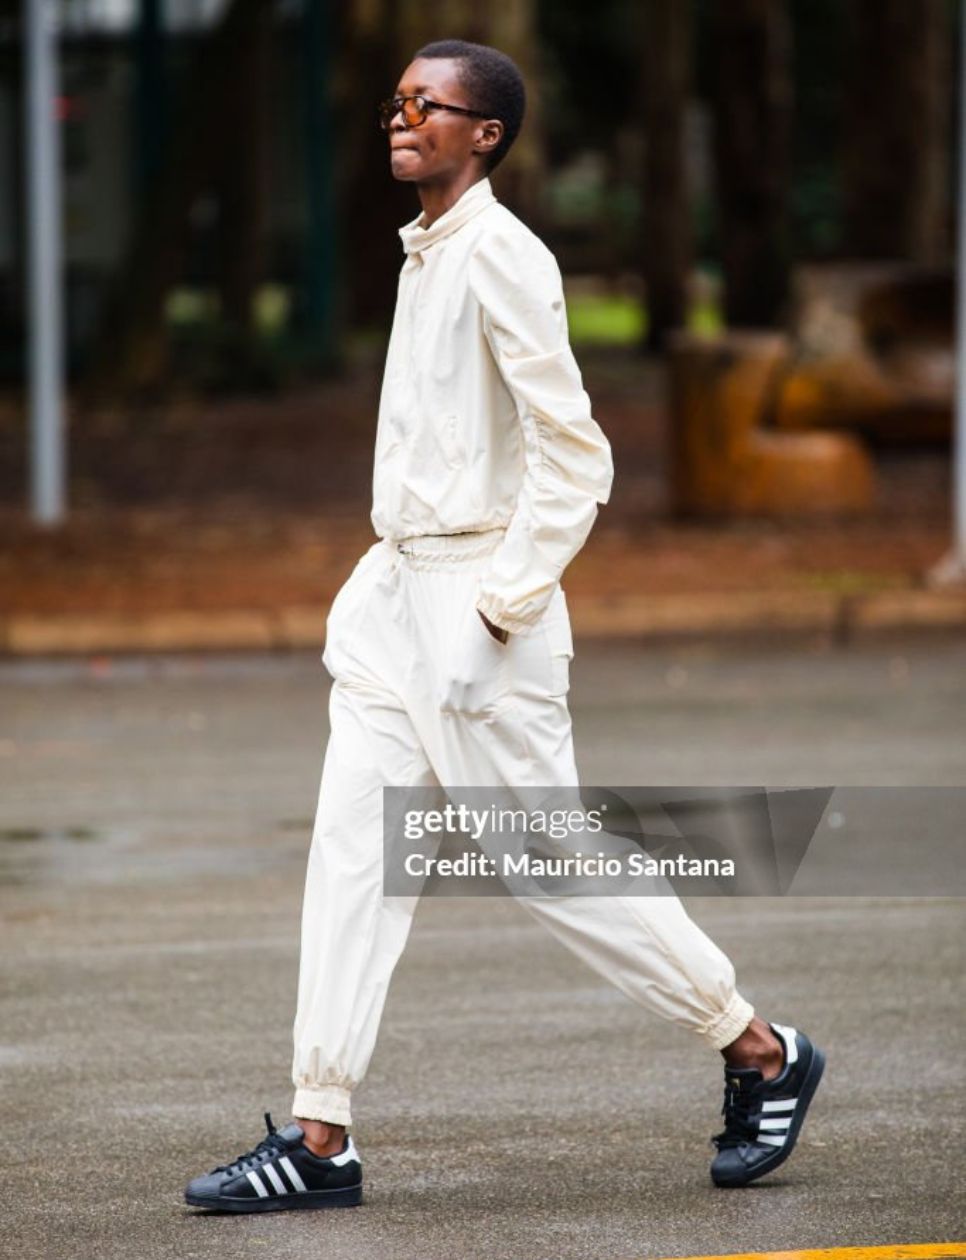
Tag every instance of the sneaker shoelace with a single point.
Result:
(271, 1144)
(741, 1118)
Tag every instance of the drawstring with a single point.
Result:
(472, 547)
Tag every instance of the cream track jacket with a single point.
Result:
(483, 419)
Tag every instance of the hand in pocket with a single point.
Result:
(475, 675)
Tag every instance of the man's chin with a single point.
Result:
(405, 168)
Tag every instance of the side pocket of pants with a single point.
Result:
(343, 601)
(561, 644)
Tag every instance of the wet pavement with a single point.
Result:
(154, 823)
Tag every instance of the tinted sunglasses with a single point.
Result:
(416, 109)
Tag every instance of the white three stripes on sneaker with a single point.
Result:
(278, 1185)
(773, 1129)
(286, 1165)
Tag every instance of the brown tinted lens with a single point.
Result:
(414, 111)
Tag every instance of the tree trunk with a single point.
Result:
(372, 206)
(667, 230)
(753, 102)
(243, 175)
(131, 348)
(897, 130)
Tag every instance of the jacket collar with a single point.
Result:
(416, 238)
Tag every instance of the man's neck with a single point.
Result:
(436, 199)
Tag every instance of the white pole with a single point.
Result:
(44, 300)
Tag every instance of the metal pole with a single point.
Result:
(44, 299)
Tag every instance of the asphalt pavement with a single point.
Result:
(155, 816)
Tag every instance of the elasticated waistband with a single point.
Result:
(422, 549)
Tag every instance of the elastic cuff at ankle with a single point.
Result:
(730, 1024)
(329, 1104)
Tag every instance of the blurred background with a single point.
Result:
(752, 202)
(754, 206)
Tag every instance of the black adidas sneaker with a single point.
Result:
(763, 1118)
(281, 1172)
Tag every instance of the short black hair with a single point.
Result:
(493, 84)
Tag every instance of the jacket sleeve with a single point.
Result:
(569, 466)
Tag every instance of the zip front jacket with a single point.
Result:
(483, 419)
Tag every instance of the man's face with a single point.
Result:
(443, 146)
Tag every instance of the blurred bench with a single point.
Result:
(873, 352)
(727, 458)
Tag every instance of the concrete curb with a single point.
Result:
(841, 618)
(710, 613)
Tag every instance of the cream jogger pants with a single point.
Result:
(423, 695)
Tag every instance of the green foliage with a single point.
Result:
(621, 320)
(217, 357)
(603, 320)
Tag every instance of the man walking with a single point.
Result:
(450, 646)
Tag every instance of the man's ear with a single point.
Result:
(488, 135)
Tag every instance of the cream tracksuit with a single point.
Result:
(489, 469)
